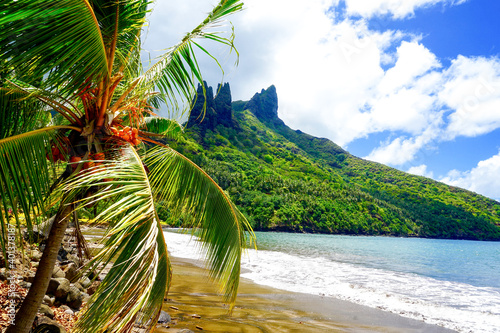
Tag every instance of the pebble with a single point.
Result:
(58, 273)
(48, 300)
(46, 311)
(74, 298)
(48, 325)
(164, 317)
(85, 282)
(63, 288)
(36, 255)
(71, 271)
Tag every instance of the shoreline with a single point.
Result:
(193, 303)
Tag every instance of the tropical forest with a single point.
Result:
(287, 180)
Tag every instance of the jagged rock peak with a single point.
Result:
(222, 105)
(265, 104)
(196, 115)
(217, 110)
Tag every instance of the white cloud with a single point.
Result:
(484, 178)
(421, 170)
(413, 61)
(407, 110)
(403, 149)
(333, 76)
(472, 91)
(396, 8)
(396, 152)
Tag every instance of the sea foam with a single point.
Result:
(454, 305)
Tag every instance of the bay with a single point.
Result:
(451, 283)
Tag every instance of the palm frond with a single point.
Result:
(167, 128)
(176, 71)
(188, 190)
(19, 114)
(121, 23)
(26, 175)
(135, 286)
(59, 41)
(33, 100)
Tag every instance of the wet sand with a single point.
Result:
(194, 304)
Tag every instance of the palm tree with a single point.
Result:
(79, 60)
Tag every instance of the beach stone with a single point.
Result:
(47, 325)
(63, 288)
(74, 298)
(3, 274)
(64, 307)
(62, 253)
(46, 311)
(164, 318)
(73, 258)
(93, 287)
(36, 255)
(85, 297)
(47, 300)
(53, 284)
(71, 271)
(69, 311)
(85, 282)
(58, 273)
(29, 277)
(25, 284)
(79, 286)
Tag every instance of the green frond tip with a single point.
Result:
(134, 288)
(167, 128)
(26, 176)
(188, 191)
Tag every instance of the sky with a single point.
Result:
(413, 84)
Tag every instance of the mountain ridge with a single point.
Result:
(287, 180)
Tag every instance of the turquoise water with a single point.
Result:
(471, 262)
(454, 284)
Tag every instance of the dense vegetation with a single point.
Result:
(290, 181)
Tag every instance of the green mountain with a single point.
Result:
(287, 180)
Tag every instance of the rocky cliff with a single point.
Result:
(209, 111)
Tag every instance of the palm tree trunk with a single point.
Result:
(26, 314)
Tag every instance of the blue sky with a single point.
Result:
(413, 84)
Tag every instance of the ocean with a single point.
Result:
(451, 283)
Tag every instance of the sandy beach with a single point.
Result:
(194, 304)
